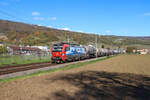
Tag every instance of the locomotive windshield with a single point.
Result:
(57, 49)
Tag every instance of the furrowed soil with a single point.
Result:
(125, 77)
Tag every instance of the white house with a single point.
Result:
(43, 48)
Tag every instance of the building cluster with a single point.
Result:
(28, 50)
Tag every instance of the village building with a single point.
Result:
(23, 50)
(44, 49)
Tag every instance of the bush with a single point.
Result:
(102, 46)
(3, 49)
(130, 49)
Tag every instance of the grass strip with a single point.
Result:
(21, 60)
(68, 67)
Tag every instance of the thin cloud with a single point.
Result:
(146, 14)
(5, 2)
(80, 31)
(49, 26)
(39, 25)
(52, 18)
(108, 31)
(39, 18)
(36, 17)
(65, 29)
(35, 13)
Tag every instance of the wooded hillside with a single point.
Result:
(26, 34)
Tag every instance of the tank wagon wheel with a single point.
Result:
(63, 61)
(79, 59)
(73, 59)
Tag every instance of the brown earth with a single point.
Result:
(125, 77)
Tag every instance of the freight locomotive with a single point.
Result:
(64, 52)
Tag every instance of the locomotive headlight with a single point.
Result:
(63, 54)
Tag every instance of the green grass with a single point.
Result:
(80, 64)
(18, 60)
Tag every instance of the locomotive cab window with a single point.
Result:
(67, 49)
(57, 49)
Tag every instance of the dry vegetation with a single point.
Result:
(125, 77)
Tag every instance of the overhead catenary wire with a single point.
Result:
(20, 14)
(11, 16)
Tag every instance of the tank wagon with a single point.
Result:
(102, 52)
(90, 51)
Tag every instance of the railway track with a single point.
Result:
(19, 70)
(13, 69)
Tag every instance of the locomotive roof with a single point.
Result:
(63, 43)
(74, 44)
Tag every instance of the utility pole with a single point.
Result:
(68, 39)
(96, 45)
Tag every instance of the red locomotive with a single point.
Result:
(58, 52)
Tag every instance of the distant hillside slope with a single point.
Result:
(26, 34)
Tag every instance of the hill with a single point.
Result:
(28, 34)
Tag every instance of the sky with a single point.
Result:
(104, 17)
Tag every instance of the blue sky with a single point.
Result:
(107, 17)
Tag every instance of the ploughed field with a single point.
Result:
(125, 77)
